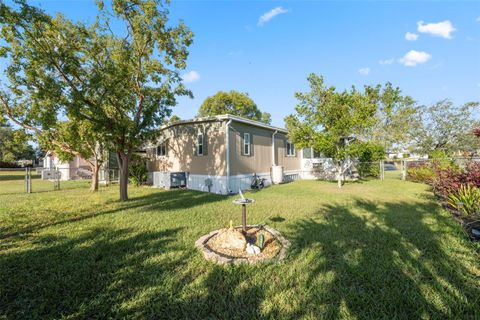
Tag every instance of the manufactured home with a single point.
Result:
(76, 168)
(221, 154)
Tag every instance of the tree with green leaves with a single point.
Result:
(86, 142)
(446, 129)
(14, 145)
(124, 84)
(174, 118)
(396, 116)
(329, 121)
(234, 103)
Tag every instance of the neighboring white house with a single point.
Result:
(77, 168)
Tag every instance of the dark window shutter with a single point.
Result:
(251, 144)
(205, 144)
(242, 144)
(195, 144)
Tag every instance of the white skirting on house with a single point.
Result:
(207, 183)
(218, 184)
(244, 181)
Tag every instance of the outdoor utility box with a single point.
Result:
(178, 179)
(169, 180)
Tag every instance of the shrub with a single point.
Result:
(466, 198)
(368, 155)
(4, 164)
(138, 170)
(420, 172)
(447, 181)
(472, 172)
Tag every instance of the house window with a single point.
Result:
(200, 144)
(309, 153)
(246, 144)
(290, 149)
(162, 150)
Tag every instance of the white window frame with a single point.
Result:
(200, 144)
(246, 144)
(164, 146)
(292, 147)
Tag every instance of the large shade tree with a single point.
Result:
(31, 96)
(234, 103)
(329, 121)
(396, 116)
(14, 144)
(446, 129)
(123, 84)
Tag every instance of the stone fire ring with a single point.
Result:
(211, 255)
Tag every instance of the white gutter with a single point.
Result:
(273, 148)
(227, 133)
(226, 117)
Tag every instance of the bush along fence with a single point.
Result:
(456, 183)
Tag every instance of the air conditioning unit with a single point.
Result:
(168, 180)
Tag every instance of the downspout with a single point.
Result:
(228, 153)
(273, 148)
(273, 155)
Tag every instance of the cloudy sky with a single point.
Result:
(430, 49)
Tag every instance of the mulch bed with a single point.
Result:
(270, 250)
(469, 223)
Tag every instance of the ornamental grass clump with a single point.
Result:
(465, 199)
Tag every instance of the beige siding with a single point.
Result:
(289, 163)
(181, 150)
(260, 160)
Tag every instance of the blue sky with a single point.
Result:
(348, 42)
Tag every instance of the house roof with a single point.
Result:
(227, 117)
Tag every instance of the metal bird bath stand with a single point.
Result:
(244, 202)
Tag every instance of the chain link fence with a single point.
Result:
(30, 180)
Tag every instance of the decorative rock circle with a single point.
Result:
(220, 258)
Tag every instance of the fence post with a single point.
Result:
(404, 170)
(28, 180)
(382, 170)
(56, 182)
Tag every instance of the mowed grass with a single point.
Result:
(12, 182)
(375, 249)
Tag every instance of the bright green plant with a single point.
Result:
(466, 199)
(261, 241)
(138, 170)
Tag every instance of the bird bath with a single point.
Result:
(244, 202)
(235, 244)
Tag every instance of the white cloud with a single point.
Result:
(478, 84)
(442, 29)
(411, 36)
(412, 58)
(364, 71)
(191, 76)
(478, 19)
(267, 16)
(386, 61)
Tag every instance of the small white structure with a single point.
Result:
(77, 168)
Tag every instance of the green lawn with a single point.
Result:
(376, 249)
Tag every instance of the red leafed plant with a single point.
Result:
(476, 132)
(472, 173)
(448, 180)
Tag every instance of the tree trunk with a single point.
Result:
(339, 174)
(95, 169)
(123, 161)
